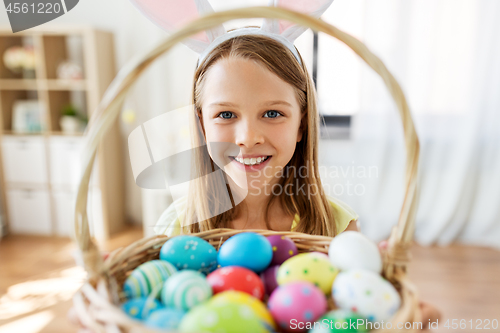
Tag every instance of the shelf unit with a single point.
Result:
(50, 153)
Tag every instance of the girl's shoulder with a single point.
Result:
(169, 223)
(342, 213)
(342, 210)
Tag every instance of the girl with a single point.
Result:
(252, 93)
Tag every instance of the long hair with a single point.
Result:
(209, 195)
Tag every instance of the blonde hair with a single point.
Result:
(206, 194)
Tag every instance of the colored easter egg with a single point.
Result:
(283, 248)
(313, 267)
(296, 305)
(165, 318)
(140, 308)
(190, 252)
(268, 277)
(227, 317)
(147, 277)
(236, 278)
(366, 293)
(340, 321)
(246, 249)
(185, 289)
(353, 250)
(233, 296)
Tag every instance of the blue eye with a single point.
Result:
(272, 114)
(226, 115)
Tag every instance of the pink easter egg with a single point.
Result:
(295, 304)
(283, 249)
(268, 277)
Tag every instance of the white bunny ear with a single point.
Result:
(290, 30)
(172, 14)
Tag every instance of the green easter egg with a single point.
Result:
(235, 296)
(227, 317)
(340, 321)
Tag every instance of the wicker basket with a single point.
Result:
(97, 302)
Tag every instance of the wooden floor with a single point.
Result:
(38, 277)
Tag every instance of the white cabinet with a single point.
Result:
(64, 207)
(64, 160)
(41, 176)
(29, 211)
(64, 210)
(49, 159)
(65, 163)
(24, 159)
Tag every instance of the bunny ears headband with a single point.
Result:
(172, 14)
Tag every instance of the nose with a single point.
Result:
(248, 134)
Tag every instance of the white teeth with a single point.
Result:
(250, 161)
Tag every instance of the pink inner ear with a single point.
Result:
(301, 6)
(285, 25)
(172, 14)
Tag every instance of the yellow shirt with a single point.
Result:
(169, 222)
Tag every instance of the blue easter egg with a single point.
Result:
(147, 277)
(247, 249)
(140, 308)
(165, 318)
(190, 252)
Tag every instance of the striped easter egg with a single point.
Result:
(147, 277)
(185, 289)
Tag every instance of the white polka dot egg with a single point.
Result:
(366, 293)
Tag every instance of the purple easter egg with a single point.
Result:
(268, 277)
(297, 302)
(283, 249)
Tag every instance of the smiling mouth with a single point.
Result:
(251, 161)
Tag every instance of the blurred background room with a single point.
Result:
(444, 53)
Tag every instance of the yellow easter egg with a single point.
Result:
(239, 297)
(313, 267)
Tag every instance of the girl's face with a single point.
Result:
(257, 114)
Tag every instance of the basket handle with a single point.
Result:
(109, 109)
